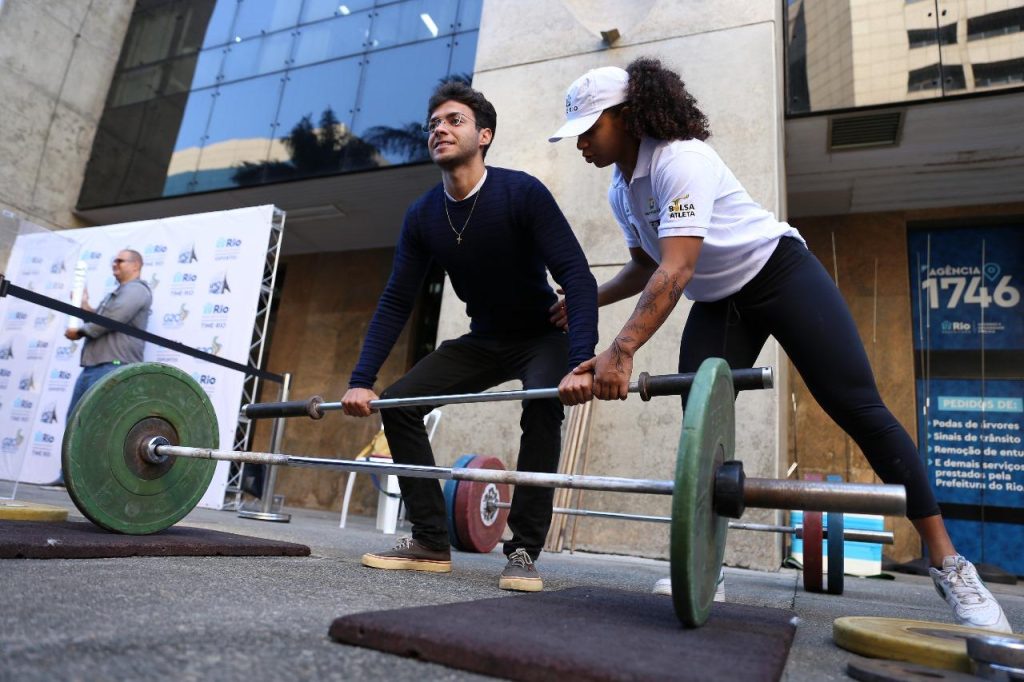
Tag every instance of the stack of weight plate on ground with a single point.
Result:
(921, 650)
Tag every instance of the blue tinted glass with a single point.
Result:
(265, 16)
(218, 31)
(315, 10)
(191, 137)
(469, 15)
(192, 132)
(253, 110)
(407, 22)
(257, 56)
(464, 55)
(396, 87)
(244, 112)
(332, 39)
(240, 131)
(208, 67)
(314, 89)
(315, 120)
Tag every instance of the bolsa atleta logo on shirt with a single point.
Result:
(680, 208)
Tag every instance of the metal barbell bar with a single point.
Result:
(129, 475)
(766, 493)
(647, 386)
(881, 537)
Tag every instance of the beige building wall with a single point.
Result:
(56, 61)
(729, 54)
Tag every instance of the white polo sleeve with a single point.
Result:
(617, 199)
(685, 184)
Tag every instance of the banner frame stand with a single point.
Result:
(250, 388)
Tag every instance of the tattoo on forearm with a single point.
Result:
(676, 293)
(648, 299)
(648, 315)
(638, 327)
(618, 353)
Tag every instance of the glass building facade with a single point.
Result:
(215, 94)
(854, 53)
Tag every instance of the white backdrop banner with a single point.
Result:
(30, 336)
(205, 272)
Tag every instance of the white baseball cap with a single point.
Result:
(588, 96)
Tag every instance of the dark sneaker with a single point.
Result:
(520, 574)
(410, 555)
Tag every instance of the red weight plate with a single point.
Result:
(478, 524)
(812, 551)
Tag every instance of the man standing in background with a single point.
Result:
(105, 349)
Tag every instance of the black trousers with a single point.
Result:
(470, 364)
(793, 299)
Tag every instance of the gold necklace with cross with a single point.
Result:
(458, 233)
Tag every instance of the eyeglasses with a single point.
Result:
(118, 261)
(454, 120)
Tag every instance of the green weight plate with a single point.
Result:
(698, 533)
(105, 474)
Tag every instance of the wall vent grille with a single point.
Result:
(865, 130)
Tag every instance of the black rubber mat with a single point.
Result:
(583, 633)
(82, 540)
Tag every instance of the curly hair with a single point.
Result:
(457, 90)
(659, 105)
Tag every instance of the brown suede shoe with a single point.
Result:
(409, 555)
(520, 574)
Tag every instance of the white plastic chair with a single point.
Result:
(389, 501)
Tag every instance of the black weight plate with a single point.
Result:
(836, 552)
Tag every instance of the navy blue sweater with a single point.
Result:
(515, 232)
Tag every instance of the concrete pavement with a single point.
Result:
(256, 618)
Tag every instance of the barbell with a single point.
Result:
(477, 515)
(881, 537)
(139, 452)
(647, 386)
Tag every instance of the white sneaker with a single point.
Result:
(664, 586)
(958, 583)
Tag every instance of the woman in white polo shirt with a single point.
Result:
(692, 230)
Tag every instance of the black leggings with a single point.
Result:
(793, 299)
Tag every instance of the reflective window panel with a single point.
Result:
(855, 53)
(213, 94)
